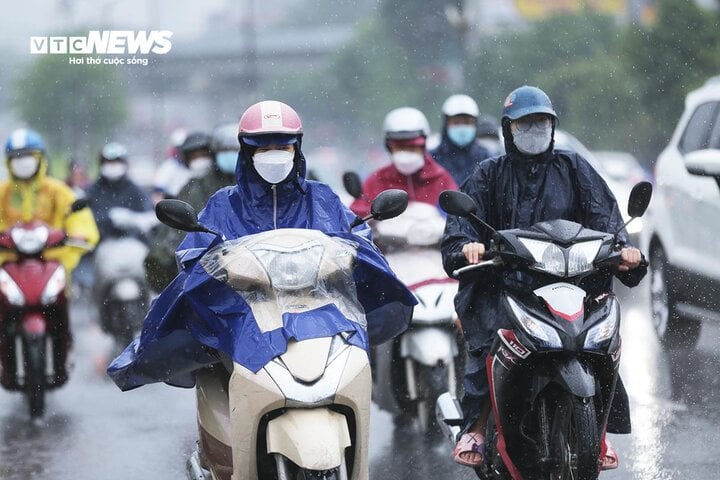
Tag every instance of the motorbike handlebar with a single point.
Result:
(495, 261)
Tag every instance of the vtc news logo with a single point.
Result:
(106, 42)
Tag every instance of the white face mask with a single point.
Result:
(274, 165)
(408, 163)
(113, 170)
(534, 141)
(200, 166)
(24, 167)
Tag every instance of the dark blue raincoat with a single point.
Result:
(459, 161)
(196, 315)
(517, 191)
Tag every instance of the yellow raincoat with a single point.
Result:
(47, 200)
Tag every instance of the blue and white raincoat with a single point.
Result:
(197, 315)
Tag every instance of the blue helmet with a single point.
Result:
(526, 101)
(24, 140)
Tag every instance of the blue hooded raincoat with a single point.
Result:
(196, 315)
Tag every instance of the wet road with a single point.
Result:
(93, 431)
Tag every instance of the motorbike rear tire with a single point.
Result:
(574, 436)
(34, 358)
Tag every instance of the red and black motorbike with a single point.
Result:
(553, 373)
(34, 327)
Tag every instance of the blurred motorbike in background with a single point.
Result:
(120, 290)
(34, 326)
(428, 359)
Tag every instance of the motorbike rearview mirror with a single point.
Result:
(180, 215)
(78, 205)
(457, 203)
(389, 204)
(352, 184)
(639, 199)
(462, 205)
(638, 202)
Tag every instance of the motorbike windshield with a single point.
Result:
(288, 271)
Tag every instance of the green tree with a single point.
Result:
(75, 107)
(675, 55)
(576, 60)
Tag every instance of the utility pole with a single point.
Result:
(458, 19)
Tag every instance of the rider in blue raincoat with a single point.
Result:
(196, 311)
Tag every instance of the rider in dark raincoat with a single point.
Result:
(531, 183)
(459, 151)
(196, 311)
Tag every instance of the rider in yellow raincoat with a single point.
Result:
(29, 194)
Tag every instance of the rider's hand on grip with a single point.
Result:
(474, 252)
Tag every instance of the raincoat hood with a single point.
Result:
(38, 177)
(515, 154)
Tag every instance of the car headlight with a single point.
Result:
(54, 286)
(598, 335)
(581, 257)
(548, 256)
(534, 327)
(30, 241)
(292, 269)
(10, 289)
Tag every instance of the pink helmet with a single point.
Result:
(271, 118)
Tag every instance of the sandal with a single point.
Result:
(611, 460)
(469, 443)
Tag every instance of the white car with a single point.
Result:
(683, 225)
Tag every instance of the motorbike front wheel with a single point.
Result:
(34, 359)
(318, 475)
(574, 438)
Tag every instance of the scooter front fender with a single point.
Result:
(314, 439)
(575, 377)
(429, 346)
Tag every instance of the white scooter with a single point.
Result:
(306, 413)
(428, 358)
(119, 287)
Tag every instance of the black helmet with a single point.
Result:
(526, 101)
(113, 152)
(196, 141)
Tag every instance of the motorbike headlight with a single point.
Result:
(55, 285)
(581, 257)
(548, 256)
(292, 269)
(601, 333)
(30, 241)
(537, 329)
(10, 290)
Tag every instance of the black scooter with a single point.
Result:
(553, 374)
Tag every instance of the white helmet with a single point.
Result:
(405, 123)
(460, 105)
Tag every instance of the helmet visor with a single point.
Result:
(272, 139)
(413, 142)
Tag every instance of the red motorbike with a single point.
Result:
(34, 327)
